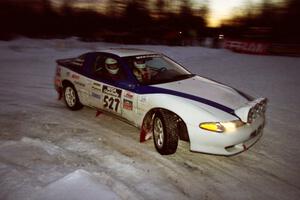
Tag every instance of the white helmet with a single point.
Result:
(138, 75)
(140, 64)
(140, 71)
(111, 65)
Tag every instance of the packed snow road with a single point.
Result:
(50, 152)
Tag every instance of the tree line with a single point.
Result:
(146, 21)
(269, 22)
(130, 21)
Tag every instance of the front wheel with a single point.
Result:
(71, 98)
(165, 132)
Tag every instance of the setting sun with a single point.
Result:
(222, 10)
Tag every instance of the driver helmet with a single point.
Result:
(111, 65)
(140, 64)
(140, 70)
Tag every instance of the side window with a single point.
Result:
(108, 68)
(98, 67)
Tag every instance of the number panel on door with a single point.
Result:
(112, 99)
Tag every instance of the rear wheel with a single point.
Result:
(71, 98)
(165, 132)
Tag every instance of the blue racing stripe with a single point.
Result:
(155, 90)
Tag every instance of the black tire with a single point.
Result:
(71, 97)
(165, 142)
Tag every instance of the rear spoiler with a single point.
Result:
(70, 62)
(252, 110)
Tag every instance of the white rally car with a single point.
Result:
(163, 99)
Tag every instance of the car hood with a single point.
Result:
(208, 91)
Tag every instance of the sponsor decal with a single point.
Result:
(79, 83)
(97, 96)
(128, 95)
(247, 46)
(148, 56)
(97, 84)
(75, 76)
(68, 74)
(127, 104)
(97, 87)
(143, 99)
(111, 91)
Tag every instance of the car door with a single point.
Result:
(111, 93)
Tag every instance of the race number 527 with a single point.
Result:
(111, 103)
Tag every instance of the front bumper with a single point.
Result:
(226, 143)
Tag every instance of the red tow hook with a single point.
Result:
(60, 94)
(98, 113)
(145, 134)
(142, 135)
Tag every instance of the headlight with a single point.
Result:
(221, 127)
(212, 126)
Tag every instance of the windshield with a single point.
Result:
(154, 69)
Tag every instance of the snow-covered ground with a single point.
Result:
(50, 152)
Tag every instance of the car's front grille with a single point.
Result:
(244, 144)
(258, 110)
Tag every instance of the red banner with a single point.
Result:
(247, 46)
